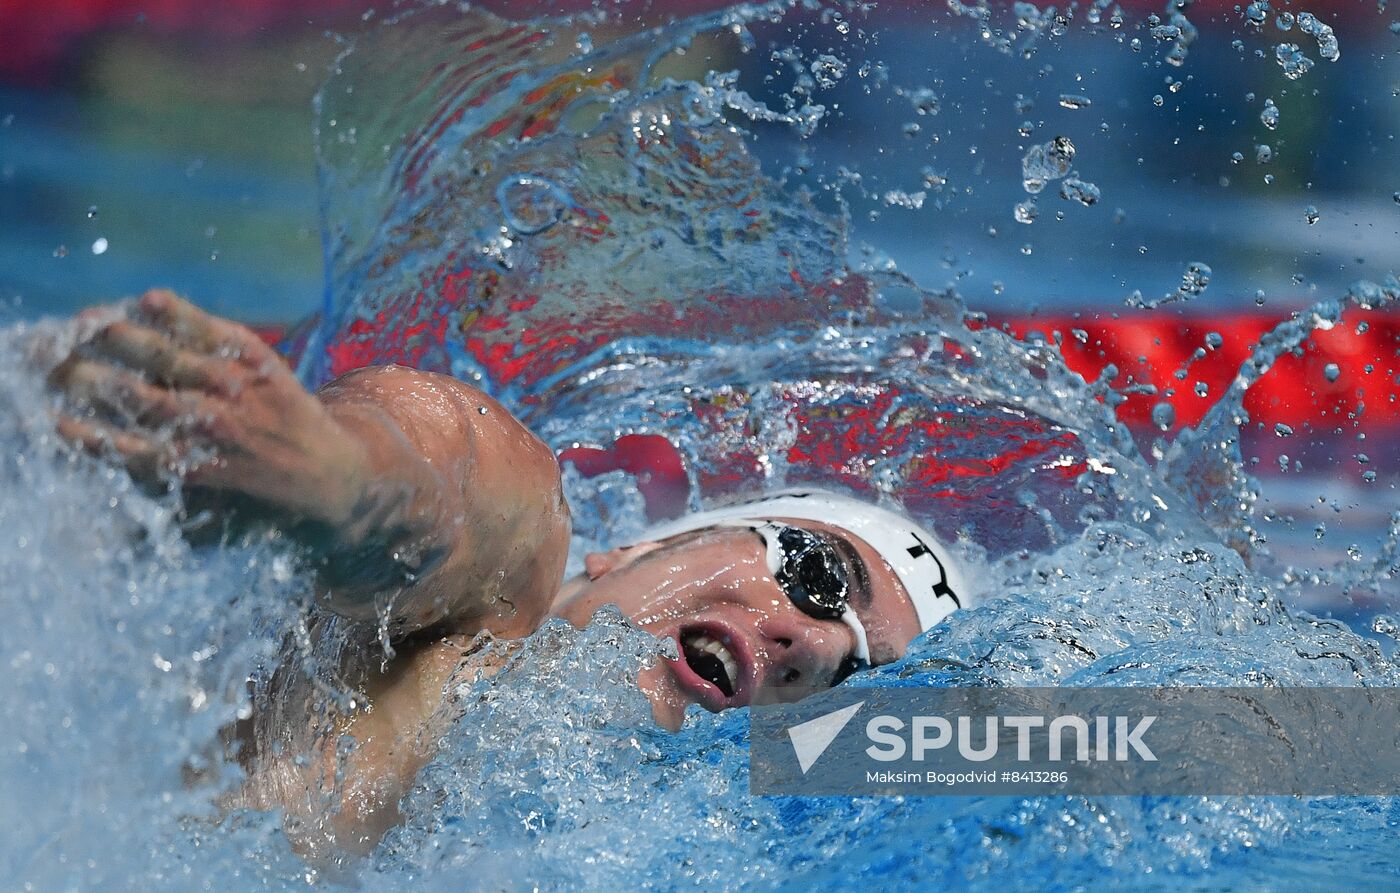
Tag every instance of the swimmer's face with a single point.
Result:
(741, 640)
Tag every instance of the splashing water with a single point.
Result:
(577, 223)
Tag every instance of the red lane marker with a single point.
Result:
(1302, 390)
(1299, 390)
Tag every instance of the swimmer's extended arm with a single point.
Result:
(416, 492)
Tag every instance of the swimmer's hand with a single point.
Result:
(175, 393)
(398, 482)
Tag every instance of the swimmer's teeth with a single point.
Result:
(705, 644)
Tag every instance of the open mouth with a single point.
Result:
(711, 661)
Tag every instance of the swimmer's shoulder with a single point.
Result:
(513, 519)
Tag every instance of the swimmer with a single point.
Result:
(429, 512)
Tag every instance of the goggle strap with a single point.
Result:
(862, 650)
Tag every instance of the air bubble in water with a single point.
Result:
(92, 212)
(1284, 21)
(1025, 212)
(1045, 162)
(1310, 214)
(1158, 100)
(1075, 101)
(1257, 13)
(1269, 116)
(100, 246)
(1202, 389)
(1282, 430)
(1263, 153)
(1331, 372)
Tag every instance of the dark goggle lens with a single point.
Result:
(812, 574)
(849, 666)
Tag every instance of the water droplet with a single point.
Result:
(1385, 625)
(1269, 116)
(1327, 46)
(1310, 214)
(1163, 416)
(1082, 191)
(1292, 61)
(1045, 162)
(925, 101)
(1331, 372)
(99, 246)
(1194, 280)
(828, 70)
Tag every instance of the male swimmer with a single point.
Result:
(416, 495)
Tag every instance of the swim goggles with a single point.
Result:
(815, 579)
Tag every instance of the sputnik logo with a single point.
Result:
(811, 738)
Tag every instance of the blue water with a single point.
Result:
(127, 649)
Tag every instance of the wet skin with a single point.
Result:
(415, 483)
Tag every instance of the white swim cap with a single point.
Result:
(922, 563)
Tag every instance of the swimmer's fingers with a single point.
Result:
(127, 395)
(156, 354)
(193, 328)
(141, 454)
